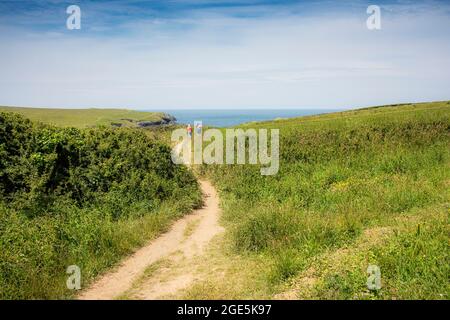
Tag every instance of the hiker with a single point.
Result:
(199, 128)
(189, 130)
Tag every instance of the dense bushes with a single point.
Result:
(84, 197)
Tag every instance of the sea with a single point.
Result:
(233, 117)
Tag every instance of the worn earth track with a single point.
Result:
(186, 239)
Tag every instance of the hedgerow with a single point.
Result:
(80, 196)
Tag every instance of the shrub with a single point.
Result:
(84, 197)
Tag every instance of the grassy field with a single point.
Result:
(82, 118)
(355, 188)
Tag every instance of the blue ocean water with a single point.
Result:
(229, 117)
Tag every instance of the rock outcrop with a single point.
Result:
(166, 119)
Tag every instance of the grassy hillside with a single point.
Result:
(83, 197)
(82, 118)
(355, 188)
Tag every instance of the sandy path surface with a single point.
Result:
(186, 239)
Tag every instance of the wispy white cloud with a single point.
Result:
(229, 59)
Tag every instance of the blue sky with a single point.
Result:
(223, 54)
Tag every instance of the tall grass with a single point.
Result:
(340, 175)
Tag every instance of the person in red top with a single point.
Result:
(189, 130)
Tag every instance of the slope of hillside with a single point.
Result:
(82, 118)
(356, 188)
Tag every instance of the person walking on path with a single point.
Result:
(199, 128)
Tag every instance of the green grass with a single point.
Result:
(355, 188)
(412, 259)
(342, 177)
(82, 118)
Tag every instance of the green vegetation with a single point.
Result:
(82, 118)
(83, 197)
(354, 188)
